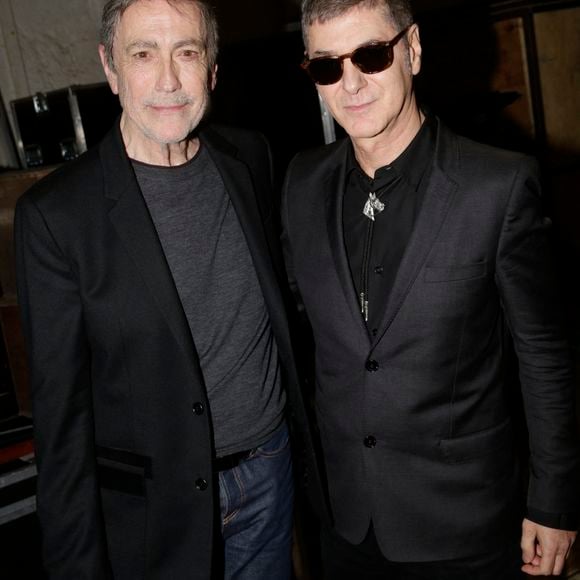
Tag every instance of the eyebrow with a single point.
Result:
(141, 44)
(322, 53)
(318, 53)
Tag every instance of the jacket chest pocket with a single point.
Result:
(464, 272)
(452, 291)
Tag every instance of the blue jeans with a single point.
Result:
(256, 501)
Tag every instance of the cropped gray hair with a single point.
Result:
(398, 12)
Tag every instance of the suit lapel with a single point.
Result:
(132, 222)
(240, 188)
(436, 203)
(334, 186)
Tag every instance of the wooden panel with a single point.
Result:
(558, 44)
(510, 74)
(15, 350)
(12, 185)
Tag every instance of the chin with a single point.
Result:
(360, 128)
(170, 136)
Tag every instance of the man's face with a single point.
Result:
(367, 106)
(161, 73)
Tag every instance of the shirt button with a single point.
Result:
(372, 365)
(198, 408)
(379, 270)
(370, 441)
(201, 484)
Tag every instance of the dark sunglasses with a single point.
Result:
(369, 59)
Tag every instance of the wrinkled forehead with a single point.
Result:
(154, 16)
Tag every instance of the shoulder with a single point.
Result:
(249, 147)
(479, 161)
(236, 136)
(487, 179)
(67, 183)
(314, 166)
(235, 140)
(332, 153)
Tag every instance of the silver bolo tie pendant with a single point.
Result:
(373, 206)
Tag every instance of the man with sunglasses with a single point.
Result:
(418, 258)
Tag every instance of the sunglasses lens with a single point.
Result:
(325, 71)
(373, 58)
(369, 59)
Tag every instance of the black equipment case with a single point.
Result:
(59, 125)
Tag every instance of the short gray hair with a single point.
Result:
(114, 9)
(398, 12)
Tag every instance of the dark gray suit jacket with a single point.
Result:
(416, 424)
(125, 488)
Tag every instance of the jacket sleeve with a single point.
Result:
(59, 361)
(286, 240)
(299, 323)
(532, 307)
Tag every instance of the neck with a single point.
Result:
(168, 155)
(154, 153)
(382, 149)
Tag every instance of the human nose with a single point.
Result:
(353, 80)
(168, 78)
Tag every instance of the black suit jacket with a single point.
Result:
(125, 464)
(416, 424)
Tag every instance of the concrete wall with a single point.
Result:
(48, 44)
(45, 45)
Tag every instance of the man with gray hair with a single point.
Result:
(419, 258)
(159, 351)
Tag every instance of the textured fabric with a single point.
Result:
(216, 281)
(417, 426)
(344, 561)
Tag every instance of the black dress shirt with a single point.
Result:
(375, 248)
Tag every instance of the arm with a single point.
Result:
(532, 308)
(286, 243)
(59, 363)
(299, 323)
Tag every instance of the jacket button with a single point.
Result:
(198, 408)
(372, 365)
(370, 441)
(201, 484)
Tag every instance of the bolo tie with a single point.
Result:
(373, 206)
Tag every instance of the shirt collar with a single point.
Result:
(410, 165)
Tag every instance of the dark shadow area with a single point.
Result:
(20, 541)
(261, 86)
(460, 56)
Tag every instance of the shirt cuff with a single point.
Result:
(567, 522)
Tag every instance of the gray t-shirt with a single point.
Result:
(216, 281)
